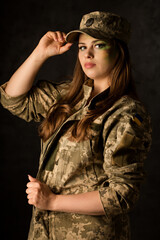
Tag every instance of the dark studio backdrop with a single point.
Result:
(23, 23)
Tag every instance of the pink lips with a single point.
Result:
(89, 65)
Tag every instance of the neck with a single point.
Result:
(100, 86)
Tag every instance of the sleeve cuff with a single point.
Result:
(7, 100)
(110, 202)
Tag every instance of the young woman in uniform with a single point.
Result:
(94, 130)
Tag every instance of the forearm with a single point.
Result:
(22, 80)
(86, 203)
(41, 196)
(51, 44)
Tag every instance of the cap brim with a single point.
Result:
(73, 36)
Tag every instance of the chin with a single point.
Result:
(91, 75)
(94, 75)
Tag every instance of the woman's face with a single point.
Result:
(97, 57)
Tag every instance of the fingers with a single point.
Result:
(32, 200)
(53, 43)
(33, 184)
(65, 48)
(36, 184)
(56, 36)
(60, 36)
(39, 194)
(33, 190)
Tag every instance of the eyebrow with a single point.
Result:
(92, 41)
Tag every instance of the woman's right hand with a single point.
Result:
(53, 43)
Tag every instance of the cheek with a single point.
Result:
(79, 56)
(80, 59)
(111, 57)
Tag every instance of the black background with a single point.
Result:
(23, 23)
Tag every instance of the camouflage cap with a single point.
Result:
(102, 25)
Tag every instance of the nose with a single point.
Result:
(89, 53)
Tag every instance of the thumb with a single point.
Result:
(65, 48)
(31, 179)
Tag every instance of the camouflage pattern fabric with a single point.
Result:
(110, 162)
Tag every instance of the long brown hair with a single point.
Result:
(121, 84)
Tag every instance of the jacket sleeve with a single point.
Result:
(34, 104)
(127, 140)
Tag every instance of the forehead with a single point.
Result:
(86, 38)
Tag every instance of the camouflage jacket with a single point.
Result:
(110, 162)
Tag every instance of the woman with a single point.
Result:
(95, 133)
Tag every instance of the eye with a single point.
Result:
(82, 48)
(103, 45)
(100, 45)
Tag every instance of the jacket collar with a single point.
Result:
(87, 87)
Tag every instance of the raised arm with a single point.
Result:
(51, 44)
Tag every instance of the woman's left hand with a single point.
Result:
(39, 194)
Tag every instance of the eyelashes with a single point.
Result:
(82, 48)
(101, 45)
(97, 46)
